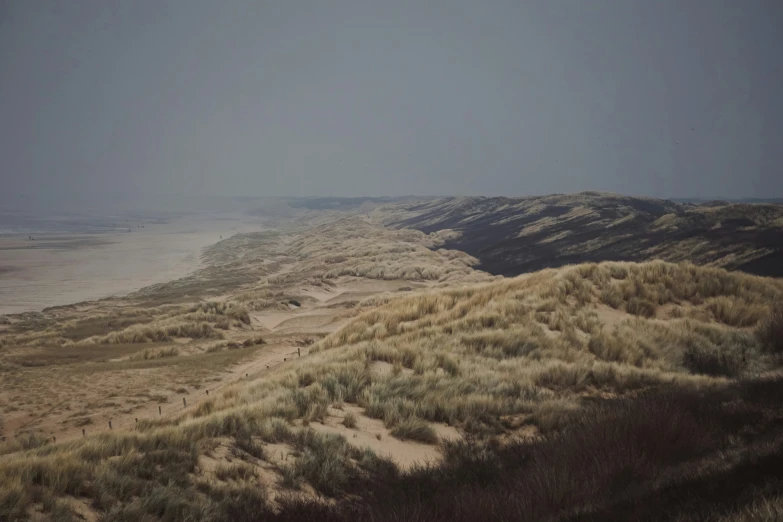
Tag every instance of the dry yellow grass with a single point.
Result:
(71, 367)
(487, 358)
(488, 355)
(355, 247)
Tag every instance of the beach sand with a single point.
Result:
(62, 269)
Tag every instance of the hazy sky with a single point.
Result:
(660, 98)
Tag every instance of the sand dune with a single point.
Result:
(345, 355)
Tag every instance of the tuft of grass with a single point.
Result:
(713, 361)
(13, 502)
(641, 307)
(215, 348)
(25, 441)
(735, 312)
(158, 332)
(324, 463)
(83, 421)
(770, 331)
(236, 472)
(252, 447)
(148, 354)
(415, 429)
(58, 510)
(611, 296)
(349, 421)
(254, 341)
(172, 351)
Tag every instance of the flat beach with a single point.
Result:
(57, 269)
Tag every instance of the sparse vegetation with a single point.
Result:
(649, 458)
(255, 341)
(513, 236)
(148, 354)
(627, 381)
(236, 472)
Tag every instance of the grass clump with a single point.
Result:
(770, 331)
(148, 354)
(324, 462)
(164, 331)
(713, 361)
(349, 421)
(415, 429)
(254, 341)
(641, 307)
(252, 447)
(735, 312)
(215, 348)
(25, 441)
(236, 472)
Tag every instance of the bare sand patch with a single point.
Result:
(610, 316)
(371, 433)
(270, 320)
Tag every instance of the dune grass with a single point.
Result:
(770, 331)
(354, 247)
(415, 429)
(491, 357)
(663, 455)
(671, 454)
(530, 348)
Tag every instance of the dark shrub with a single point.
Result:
(770, 331)
(717, 362)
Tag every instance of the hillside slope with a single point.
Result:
(511, 236)
(503, 360)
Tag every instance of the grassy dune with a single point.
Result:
(517, 235)
(531, 345)
(548, 375)
(354, 247)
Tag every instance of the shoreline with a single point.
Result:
(59, 269)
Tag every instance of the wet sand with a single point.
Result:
(65, 269)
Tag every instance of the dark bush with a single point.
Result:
(770, 331)
(708, 360)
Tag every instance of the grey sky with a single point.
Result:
(660, 98)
